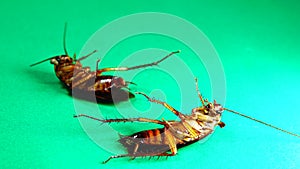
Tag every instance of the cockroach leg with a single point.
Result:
(136, 152)
(127, 83)
(166, 105)
(116, 156)
(135, 148)
(90, 117)
(133, 156)
(84, 57)
(87, 83)
(221, 124)
(186, 125)
(199, 93)
(172, 143)
(122, 120)
(97, 64)
(99, 72)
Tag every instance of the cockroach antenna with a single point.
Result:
(64, 39)
(64, 45)
(166, 140)
(264, 123)
(42, 61)
(79, 80)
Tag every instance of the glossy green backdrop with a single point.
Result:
(258, 43)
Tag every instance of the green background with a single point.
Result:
(257, 41)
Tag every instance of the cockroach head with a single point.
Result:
(56, 60)
(62, 59)
(218, 107)
(213, 108)
(118, 82)
(210, 109)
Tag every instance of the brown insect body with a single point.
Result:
(173, 135)
(106, 89)
(83, 83)
(165, 141)
(191, 128)
(180, 133)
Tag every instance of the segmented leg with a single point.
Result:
(84, 57)
(116, 156)
(166, 105)
(198, 91)
(191, 131)
(122, 120)
(133, 156)
(99, 72)
(172, 143)
(97, 64)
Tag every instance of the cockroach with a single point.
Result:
(174, 134)
(86, 84)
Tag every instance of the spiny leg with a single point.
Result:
(198, 91)
(166, 105)
(128, 82)
(188, 127)
(133, 156)
(191, 132)
(84, 57)
(122, 120)
(153, 63)
(116, 156)
(97, 64)
(99, 72)
(172, 143)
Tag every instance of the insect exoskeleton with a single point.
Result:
(83, 83)
(173, 134)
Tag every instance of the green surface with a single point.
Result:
(258, 43)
